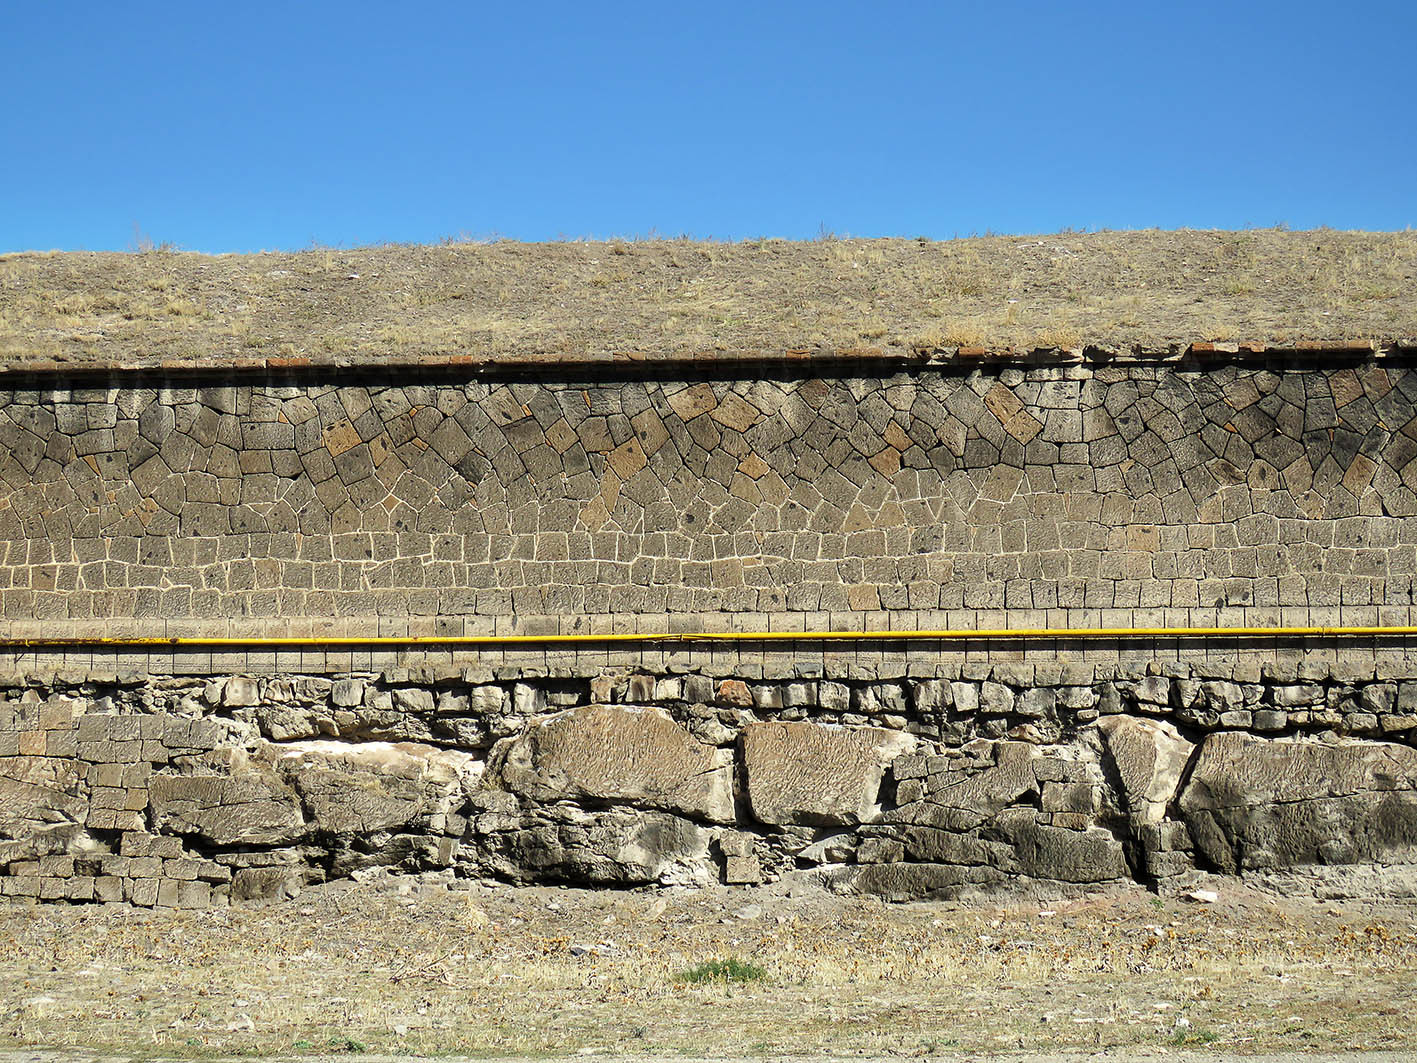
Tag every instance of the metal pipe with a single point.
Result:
(949, 635)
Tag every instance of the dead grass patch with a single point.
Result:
(1148, 288)
(508, 971)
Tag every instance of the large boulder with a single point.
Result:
(606, 848)
(1057, 854)
(1257, 804)
(360, 787)
(813, 774)
(1150, 757)
(228, 799)
(620, 753)
(991, 814)
(39, 791)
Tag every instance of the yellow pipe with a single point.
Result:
(1060, 634)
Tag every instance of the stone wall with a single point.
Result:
(1069, 495)
(178, 791)
(493, 501)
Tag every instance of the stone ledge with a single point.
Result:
(834, 360)
(801, 626)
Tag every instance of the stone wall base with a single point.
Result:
(183, 791)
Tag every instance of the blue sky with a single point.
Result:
(274, 125)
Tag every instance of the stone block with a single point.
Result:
(805, 773)
(621, 753)
(1258, 804)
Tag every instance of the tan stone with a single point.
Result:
(887, 461)
(561, 436)
(1345, 387)
(1017, 421)
(594, 514)
(808, 773)
(32, 743)
(863, 597)
(620, 753)
(736, 413)
(897, 437)
(340, 437)
(1359, 474)
(1143, 537)
(1151, 757)
(754, 467)
(693, 402)
(628, 458)
(610, 485)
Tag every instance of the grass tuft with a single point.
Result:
(731, 969)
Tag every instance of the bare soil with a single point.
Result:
(1148, 289)
(404, 966)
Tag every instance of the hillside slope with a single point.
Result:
(1147, 289)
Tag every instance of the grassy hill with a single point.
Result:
(1119, 289)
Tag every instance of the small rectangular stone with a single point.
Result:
(21, 885)
(141, 891)
(167, 892)
(61, 866)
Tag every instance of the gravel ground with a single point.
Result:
(401, 966)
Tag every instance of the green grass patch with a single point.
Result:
(1184, 1037)
(731, 969)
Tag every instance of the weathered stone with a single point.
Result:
(1150, 757)
(1090, 856)
(735, 692)
(615, 848)
(37, 792)
(365, 787)
(814, 774)
(347, 692)
(995, 699)
(240, 691)
(908, 882)
(414, 699)
(630, 754)
(1002, 776)
(1260, 804)
(250, 804)
(1037, 702)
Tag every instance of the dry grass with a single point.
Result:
(494, 971)
(1147, 288)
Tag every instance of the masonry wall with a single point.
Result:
(703, 497)
(1071, 495)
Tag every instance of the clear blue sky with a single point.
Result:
(242, 126)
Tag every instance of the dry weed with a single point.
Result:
(681, 296)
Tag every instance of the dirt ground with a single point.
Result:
(408, 966)
(679, 296)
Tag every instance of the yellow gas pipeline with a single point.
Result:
(1045, 634)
